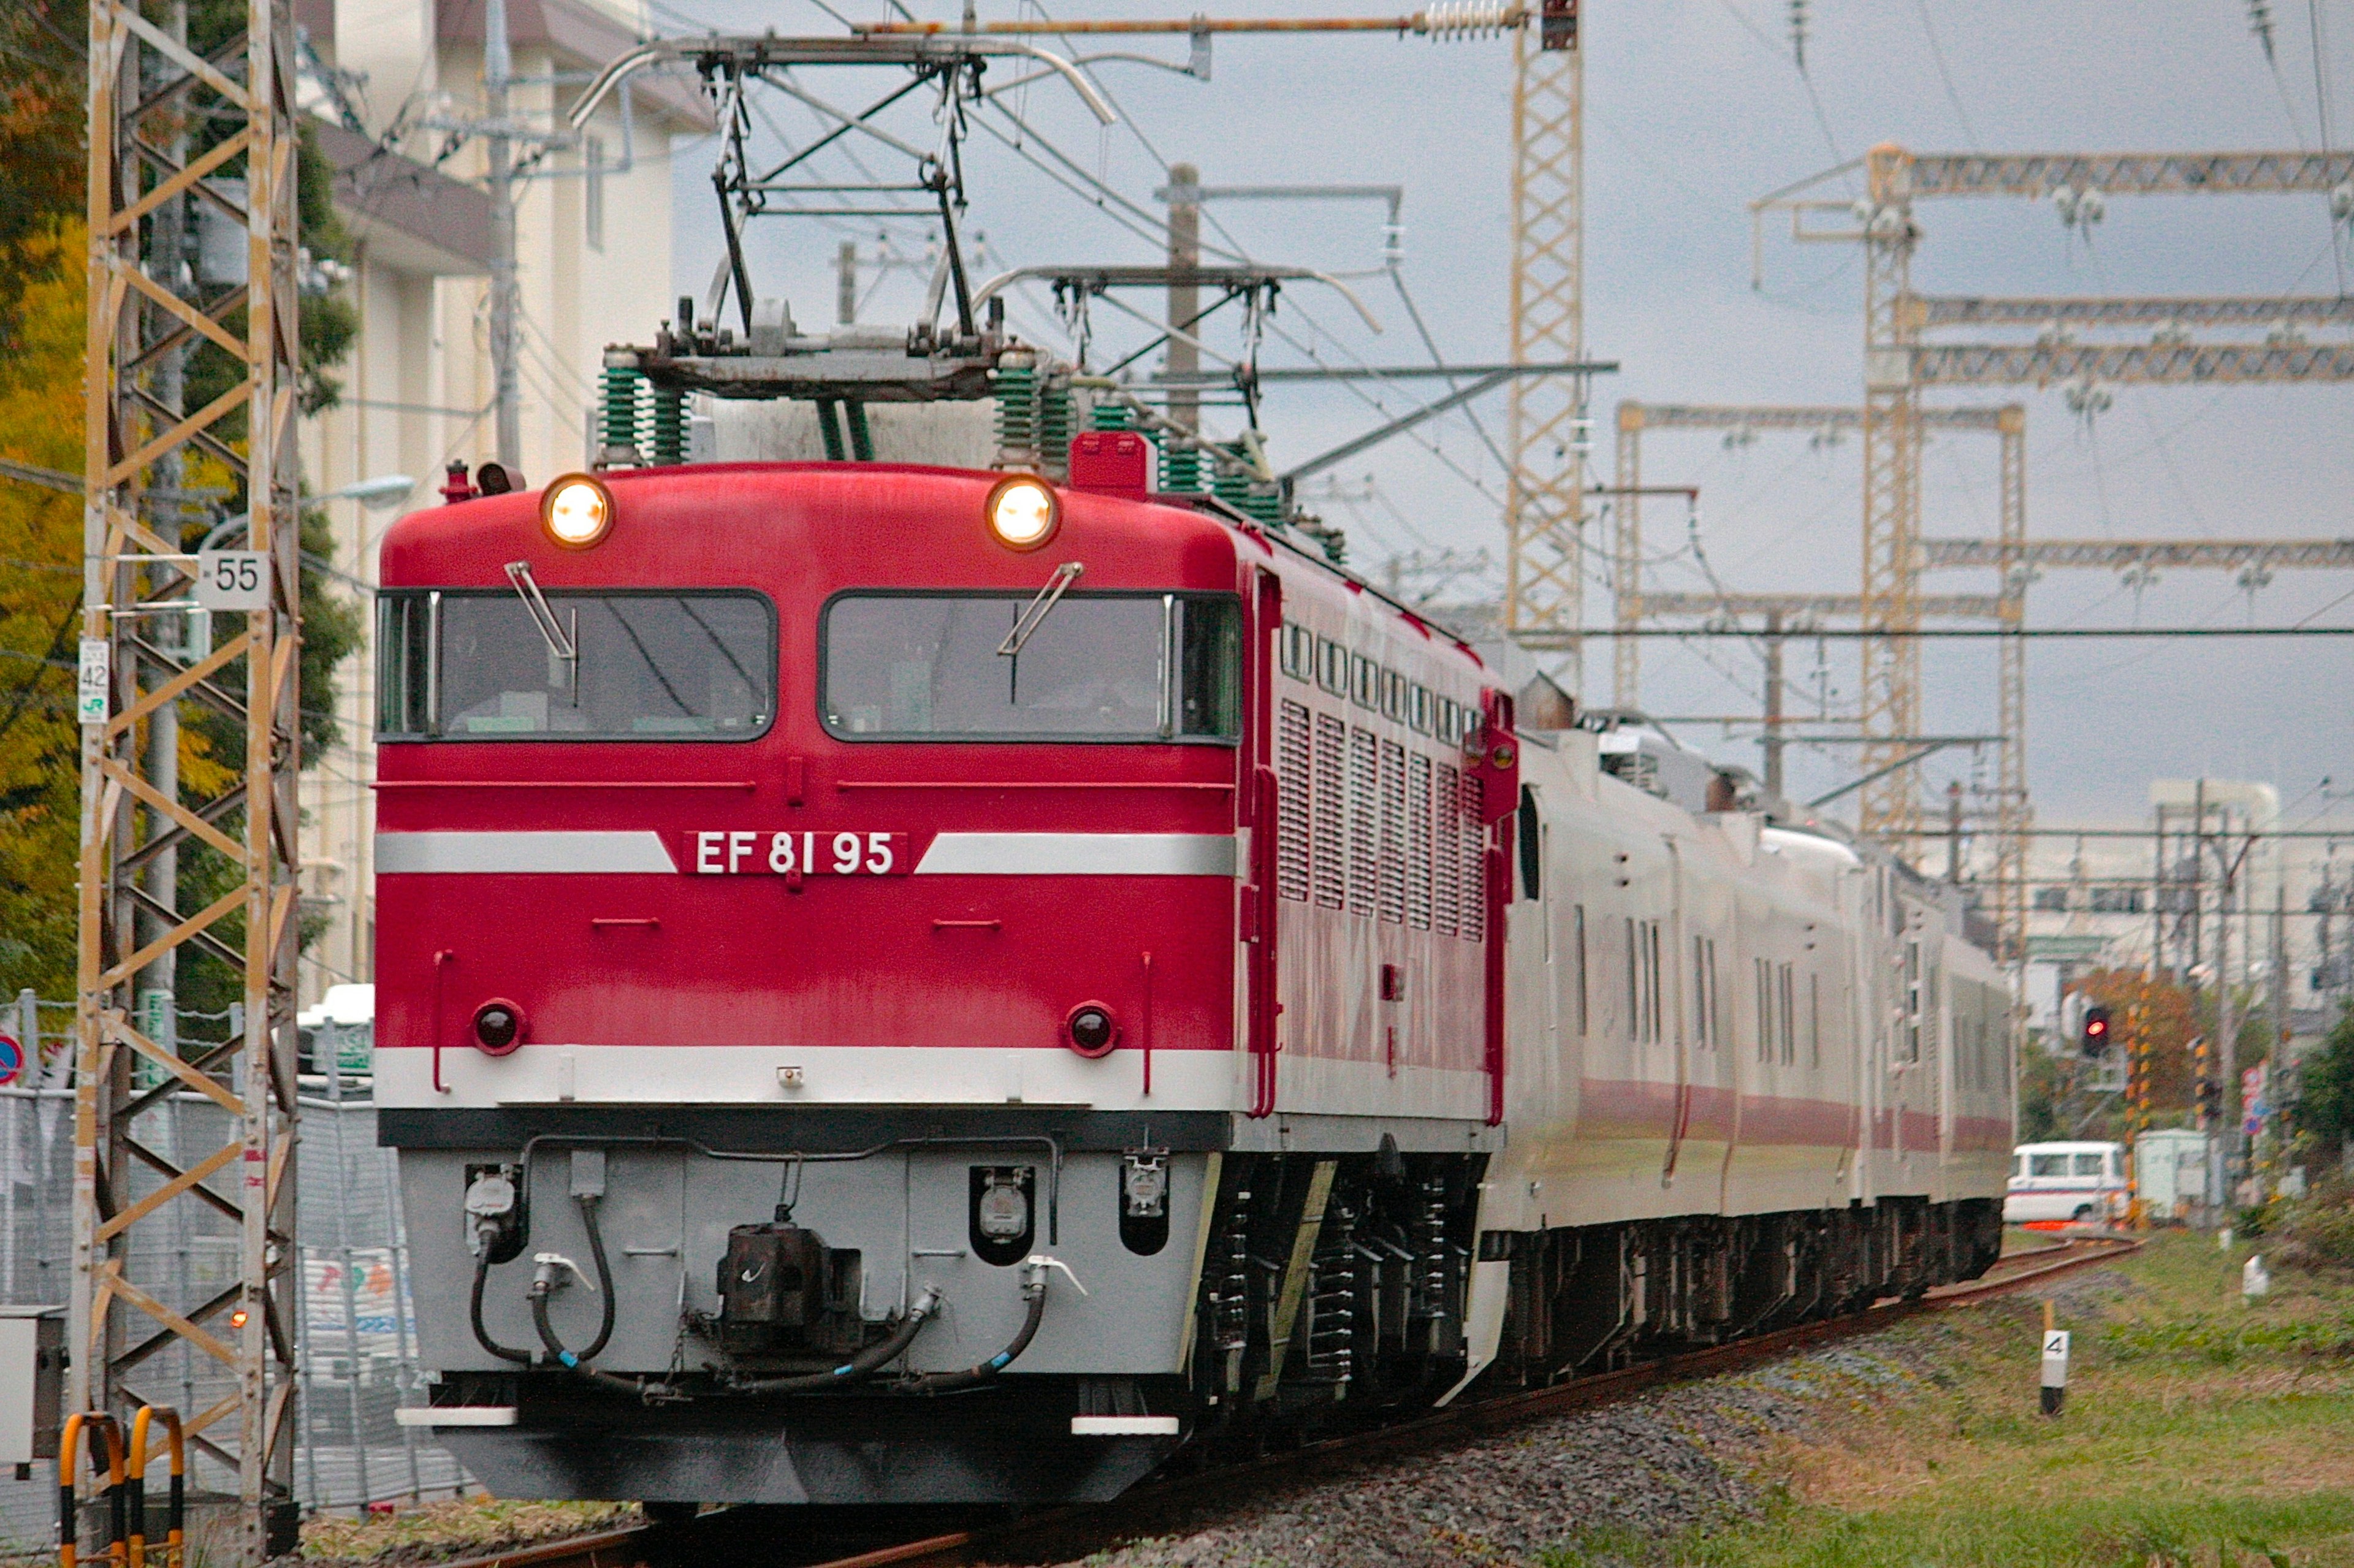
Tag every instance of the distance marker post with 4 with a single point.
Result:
(2054, 1377)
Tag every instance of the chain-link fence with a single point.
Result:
(355, 1336)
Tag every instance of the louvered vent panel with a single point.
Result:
(1445, 868)
(1417, 842)
(1390, 880)
(1470, 842)
(1293, 766)
(1329, 872)
(1364, 782)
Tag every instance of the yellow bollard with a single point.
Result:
(175, 1507)
(69, 1451)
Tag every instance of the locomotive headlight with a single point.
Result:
(576, 511)
(1022, 512)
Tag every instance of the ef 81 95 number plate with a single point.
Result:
(746, 852)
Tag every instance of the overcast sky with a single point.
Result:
(1694, 107)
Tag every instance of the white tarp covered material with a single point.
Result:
(354, 1310)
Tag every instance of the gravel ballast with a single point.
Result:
(1658, 1464)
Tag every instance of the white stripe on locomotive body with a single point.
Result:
(550, 1074)
(1079, 855)
(521, 854)
(955, 854)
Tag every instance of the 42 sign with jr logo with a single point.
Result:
(744, 852)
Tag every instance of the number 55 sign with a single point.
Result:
(233, 579)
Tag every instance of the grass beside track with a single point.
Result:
(441, 1531)
(2200, 1430)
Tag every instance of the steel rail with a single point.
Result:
(1075, 1531)
(1091, 1529)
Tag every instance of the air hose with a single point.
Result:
(482, 1274)
(860, 1367)
(549, 1277)
(1033, 1291)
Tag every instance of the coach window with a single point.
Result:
(1366, 686)
(615, 665)
(1418, 709)
(935, 666)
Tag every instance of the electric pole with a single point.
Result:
(132, 1178)
(1184, 357)
(498, 70)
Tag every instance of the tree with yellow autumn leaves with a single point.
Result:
(41, 378)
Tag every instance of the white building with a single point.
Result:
(396, 82)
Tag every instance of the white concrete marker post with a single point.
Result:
(2054, 1380)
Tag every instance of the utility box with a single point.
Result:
(32, 1381)
(2170, 1173)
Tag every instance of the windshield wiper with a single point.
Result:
(1034, 614)
(563, 644)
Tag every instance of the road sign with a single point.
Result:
(12, 1060)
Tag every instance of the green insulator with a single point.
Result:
(670, 425)
(1016, 380)
(1056, 415)
(1181, 470)
(829, 426)
(1229, 486)
(1109, 415)
(620, 415)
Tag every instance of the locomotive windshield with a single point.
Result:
(1098, 667)
(640, 666)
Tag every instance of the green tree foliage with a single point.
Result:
(40, 605)
(41, 179)
(2325, 1103)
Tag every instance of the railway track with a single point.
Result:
(1061, 1534)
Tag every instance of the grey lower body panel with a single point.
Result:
(990, 1447)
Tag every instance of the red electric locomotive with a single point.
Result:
(906, 984)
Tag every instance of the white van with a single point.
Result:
(2085, 1181)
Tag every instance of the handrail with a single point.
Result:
(69, 1451)
(175, 1508)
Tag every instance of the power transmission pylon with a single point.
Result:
(147, 88)
(1897, 364)
(1889, 701)
(2011, 817)
(1544, 523)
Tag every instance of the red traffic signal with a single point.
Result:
(2096, 1030)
